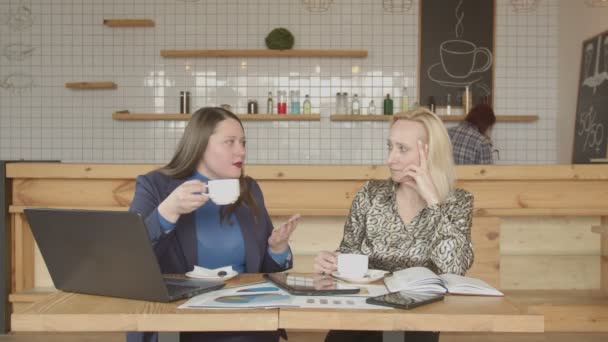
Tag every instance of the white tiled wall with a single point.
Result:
(48, 121)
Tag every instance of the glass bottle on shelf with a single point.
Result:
(184, 102)
(448, 105)
(294, 102)
(306, 106)
(339, 103)
(355, 106)
(387, 105)
(270, 104)
(466, 100)
(371, 108)
(252, 107)
(282, 102)
(432, 104)
(345, 103)
(405, 100)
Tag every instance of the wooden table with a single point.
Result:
(71, 312)
(455, 313)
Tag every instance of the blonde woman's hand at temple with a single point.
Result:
(422, 181)
(326, 262)
(186, 198)
(279, 239)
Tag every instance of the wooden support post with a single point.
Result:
(604, 255)
(18, 254)
(28, 254)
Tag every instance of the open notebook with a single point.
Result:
(421, 279)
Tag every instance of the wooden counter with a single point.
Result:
(510, 201)
(570, 190)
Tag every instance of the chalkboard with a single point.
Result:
(590, 135)
(456, 50)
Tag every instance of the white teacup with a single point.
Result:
(223, 191)
(352, 265)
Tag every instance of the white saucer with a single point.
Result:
(436, 73)
(370, 276)
(205, 277)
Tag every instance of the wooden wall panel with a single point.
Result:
(539, 194)
(549, 236)
(604, 256)
(522, 272)
(323, 172)
(315, 234)
(307, 194)
(73, 192)
(325, 193)
(485, 235)
(300, 194)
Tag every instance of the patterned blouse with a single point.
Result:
(438, 237)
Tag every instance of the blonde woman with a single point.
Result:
(415, 218)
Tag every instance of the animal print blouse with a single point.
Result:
(438, 237)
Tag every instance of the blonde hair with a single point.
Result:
(440, 160)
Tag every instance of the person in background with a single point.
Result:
(471, 139)
(188, 229)
(415, 218)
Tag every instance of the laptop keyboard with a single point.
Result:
(178, 291)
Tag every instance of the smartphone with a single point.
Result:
(405, 300)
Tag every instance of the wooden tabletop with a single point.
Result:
(77, 312)
(64, 311)
(454, 313)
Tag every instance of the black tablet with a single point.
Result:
(404, 299)
(310, 284)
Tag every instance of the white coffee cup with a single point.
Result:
(352, 265)
(223, 191)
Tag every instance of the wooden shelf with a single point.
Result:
(349, 117)
(446, 118)
(128, 22)
(263, 53)
(91, 85)
(243, 117)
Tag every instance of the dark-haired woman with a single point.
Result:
(471, 139)
(188, 229)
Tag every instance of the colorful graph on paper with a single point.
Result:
(252, 298)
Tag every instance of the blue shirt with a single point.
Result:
(219, 244)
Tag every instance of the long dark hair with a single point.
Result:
(481, 116)
(194, 143)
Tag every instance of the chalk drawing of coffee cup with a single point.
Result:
(459, 58)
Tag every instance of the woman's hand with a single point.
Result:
(423, 183)
(323, 282)
(186, 198)
(326, 262)
(279, 239)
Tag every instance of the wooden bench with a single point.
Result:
(526, 195)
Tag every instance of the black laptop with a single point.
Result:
(106, 253)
